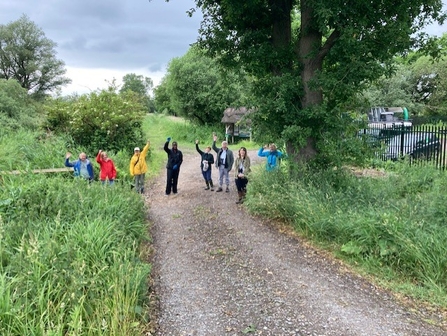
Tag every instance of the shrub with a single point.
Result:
(99, 120)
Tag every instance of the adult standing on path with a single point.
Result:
(206, 163)
(175, 160)
(241, 169)
(138, 167)
(224, 163)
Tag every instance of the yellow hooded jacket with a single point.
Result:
(138, 162)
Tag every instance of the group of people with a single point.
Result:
(224, 163)
(84, 168)
(107, 172)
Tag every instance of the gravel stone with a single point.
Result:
(219, 271)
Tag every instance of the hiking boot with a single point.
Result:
(240, 199)
(211, 185)
(219, 189)
(207, 186)
(227, 190)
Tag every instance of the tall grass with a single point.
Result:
(392, 227)
(69, 258)
(24, 150)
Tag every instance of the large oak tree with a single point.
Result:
(310, 56)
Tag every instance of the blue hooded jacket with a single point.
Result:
(272, 158)
(77, 167)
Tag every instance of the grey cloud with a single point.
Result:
(111, 33)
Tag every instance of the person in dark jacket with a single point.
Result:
(206, 162)
(175, 159)
(224, 162)
(82, 167)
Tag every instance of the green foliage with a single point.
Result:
(196, 88)
(416, 81)
(162, 98)
(69, 251)
(141, 86)
(430, 84)
(391, 226)
(29, 57)
(25, 150)
(99, 120)
(69, 259)
(137, 83)
(17, 110)
(305, 72)
(397, 89)
(159, 127)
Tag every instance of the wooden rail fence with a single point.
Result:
(38, 171)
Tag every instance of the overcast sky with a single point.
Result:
(104, 39)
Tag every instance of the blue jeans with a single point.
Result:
(207, 174)
(110, 182)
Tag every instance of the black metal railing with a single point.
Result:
(421, 145)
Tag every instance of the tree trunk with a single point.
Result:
(282, 28)
(308, 52)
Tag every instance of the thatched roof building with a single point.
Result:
(233, 115)
(237, 122)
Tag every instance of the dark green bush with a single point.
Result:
(99, 120)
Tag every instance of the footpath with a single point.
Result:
(219, 271)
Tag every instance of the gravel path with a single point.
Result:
(219, 271)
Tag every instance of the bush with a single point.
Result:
(17, 109)
(99, 120)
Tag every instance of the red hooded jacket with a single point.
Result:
(106, 168)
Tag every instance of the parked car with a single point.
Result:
(418, 145)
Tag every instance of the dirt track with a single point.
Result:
(219, 271)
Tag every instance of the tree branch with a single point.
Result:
(327, 46)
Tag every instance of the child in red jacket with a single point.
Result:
(106, 167)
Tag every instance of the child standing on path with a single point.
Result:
(207, 160)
